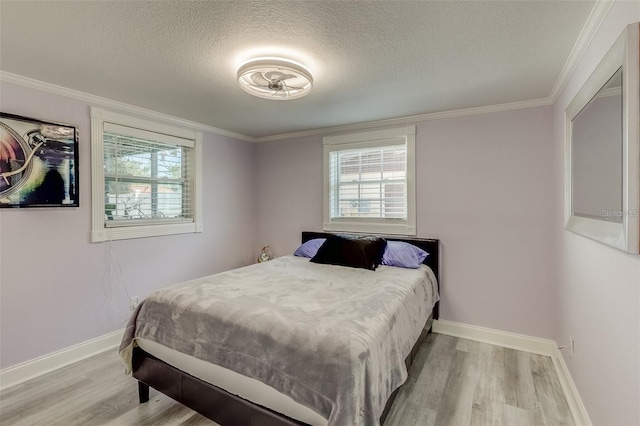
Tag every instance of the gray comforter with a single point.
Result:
(332, 338)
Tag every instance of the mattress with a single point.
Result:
(382, 314)
(235, 383)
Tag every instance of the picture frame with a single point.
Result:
(38, 163)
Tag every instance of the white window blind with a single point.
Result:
(147, 177)
(369, 182)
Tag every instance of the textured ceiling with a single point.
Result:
(370, 60)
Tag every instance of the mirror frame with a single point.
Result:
(625, 235)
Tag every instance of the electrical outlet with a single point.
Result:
(572, 344)
(133, 303)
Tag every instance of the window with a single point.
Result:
(146, 178)
(370, 182)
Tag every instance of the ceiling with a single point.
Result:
(370, 60)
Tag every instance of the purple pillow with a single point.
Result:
(310, 248)
(403, 254)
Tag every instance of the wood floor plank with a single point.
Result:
(159, 411)
(518, 381)
(488, 401)
(198, 420)
(451, 382)
(101, 411)
(457, 402)
(519, 416)
(427, 377)
(74, 404)
(28, 411)
(431, 378)
(553, 404)
(413, 414)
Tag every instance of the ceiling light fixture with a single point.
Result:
(275, 78)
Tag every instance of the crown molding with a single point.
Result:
(592, 25)
(117, 105)
(121, 106)
(413, 119)
(594, 21)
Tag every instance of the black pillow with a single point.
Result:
(356, 252)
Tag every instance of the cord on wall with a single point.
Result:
(571, 346)
(114, 280)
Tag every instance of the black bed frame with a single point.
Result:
(228, 409)
(431, 246)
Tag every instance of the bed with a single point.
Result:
(285, 366)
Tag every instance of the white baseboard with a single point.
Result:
(523, 343)
(578, 410)
(19, 373)
(505, 339)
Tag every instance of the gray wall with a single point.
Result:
(58, 290)
(484, 187)
(490, 186)
(598, 288)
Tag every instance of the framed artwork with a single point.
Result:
(38, 163)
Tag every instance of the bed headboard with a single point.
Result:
(431, 246)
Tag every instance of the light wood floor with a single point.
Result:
(461, 382)
(452, 382)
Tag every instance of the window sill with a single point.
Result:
(123, 233)
(371, 228)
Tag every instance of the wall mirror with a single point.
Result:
(602, 149)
